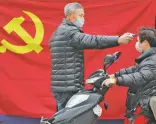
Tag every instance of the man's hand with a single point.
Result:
(125, 38)
(109, 82)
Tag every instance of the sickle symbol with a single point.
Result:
(32, 43)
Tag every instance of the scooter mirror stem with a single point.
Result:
(105, 68)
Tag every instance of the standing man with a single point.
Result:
(66, 47)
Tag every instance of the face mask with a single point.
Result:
(138, 48)
(79, 22)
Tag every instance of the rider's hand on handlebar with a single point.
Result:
(109, 82)
(112, 76)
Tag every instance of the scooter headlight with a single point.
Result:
(77, 99)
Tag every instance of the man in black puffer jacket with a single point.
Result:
(139, 76)
(66, 47)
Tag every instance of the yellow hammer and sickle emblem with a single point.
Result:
(32, 43)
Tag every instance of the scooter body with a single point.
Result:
(83, 107)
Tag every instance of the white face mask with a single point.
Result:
(138, 48)
(79, 22)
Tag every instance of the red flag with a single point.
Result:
(25, 63)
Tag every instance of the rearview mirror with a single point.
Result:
(110, 59)
(116, 56)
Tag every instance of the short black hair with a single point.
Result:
(148, 34)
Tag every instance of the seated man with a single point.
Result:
(136, 77)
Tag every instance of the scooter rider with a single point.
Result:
(139, 76)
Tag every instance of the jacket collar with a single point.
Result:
(67, 22)
(146, 54)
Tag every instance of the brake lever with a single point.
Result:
(110, 85)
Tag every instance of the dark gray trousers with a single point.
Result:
(62, 98)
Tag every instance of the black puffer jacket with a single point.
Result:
(138, 76)
(141, 80)
(66, 47)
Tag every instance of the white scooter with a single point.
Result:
(83, 107)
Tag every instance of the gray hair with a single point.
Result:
(71, 7)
